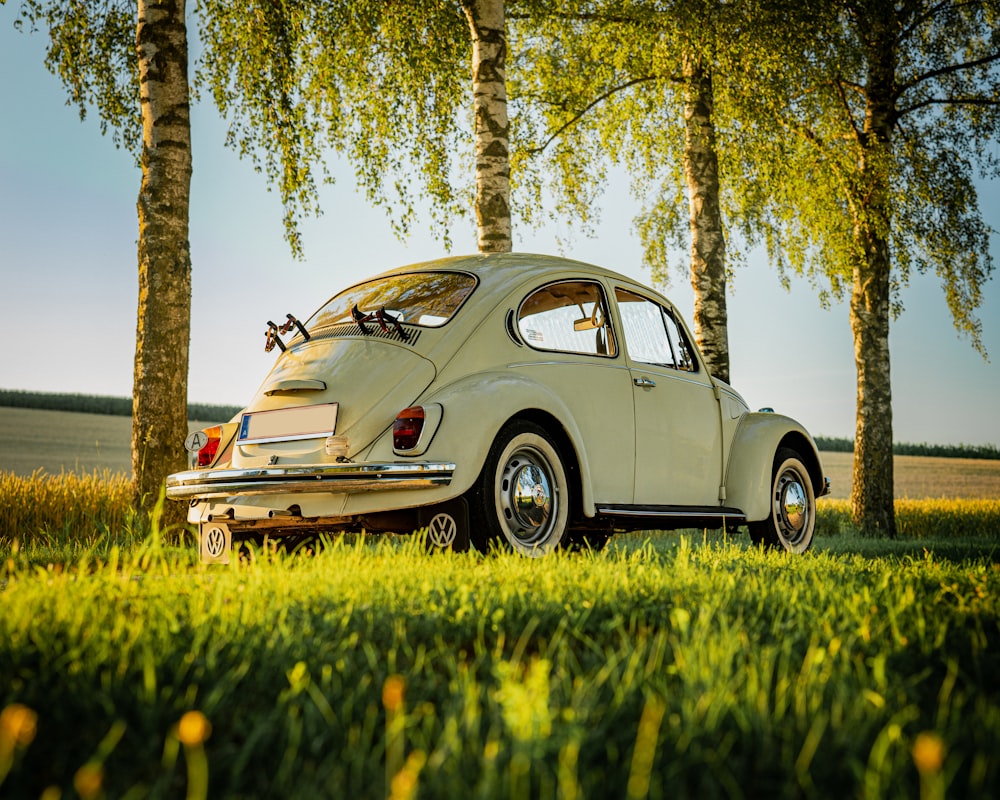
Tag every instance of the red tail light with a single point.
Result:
(204, 445)
(407, 427)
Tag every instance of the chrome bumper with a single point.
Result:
(329, 478)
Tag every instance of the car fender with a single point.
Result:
(751, 460)
(475, 408)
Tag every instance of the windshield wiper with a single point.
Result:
(381, 317)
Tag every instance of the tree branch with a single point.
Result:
(933, 12)
(597, 101)
(937, 73)
(858, 134)
(916, 23)
(949, 101)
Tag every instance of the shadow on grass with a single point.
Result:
(985, 548)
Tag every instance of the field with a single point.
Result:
(919, 477)
(59, 441)
(668, 665)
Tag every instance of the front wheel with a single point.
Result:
(791, 523)
(521, 500)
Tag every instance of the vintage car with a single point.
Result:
(520, 401)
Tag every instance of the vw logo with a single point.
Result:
(215, 542)
(442, 530)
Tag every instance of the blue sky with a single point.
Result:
(68, 262)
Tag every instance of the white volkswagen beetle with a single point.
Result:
(521, 401)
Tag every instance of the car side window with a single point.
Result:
(652, 333)
(567, 317)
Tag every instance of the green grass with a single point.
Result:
(665, 667)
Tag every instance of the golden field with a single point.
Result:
(920, 477)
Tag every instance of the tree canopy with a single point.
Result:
(869, 147)
(386, 85)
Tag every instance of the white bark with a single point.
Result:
(489, 91)
(159, 397)
(708, 242)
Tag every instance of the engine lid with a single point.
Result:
(355, 386)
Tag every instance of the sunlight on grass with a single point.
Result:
(667, 665)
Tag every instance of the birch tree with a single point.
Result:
(492, 130)
(130, 63)
(411, 94)
(633, 83)
(159, 395)
(890, 112)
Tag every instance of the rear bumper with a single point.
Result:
(326, 478)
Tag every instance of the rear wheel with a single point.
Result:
(521, 500)
(791, 522)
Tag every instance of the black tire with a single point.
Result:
(584, 539)
(791, 521)
(521, 500)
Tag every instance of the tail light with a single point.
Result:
(407, 427)
(203, 445)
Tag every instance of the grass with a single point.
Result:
(666, 666)
(60, 440)
(920, 519)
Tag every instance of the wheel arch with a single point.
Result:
(468, 430)
(751, 461)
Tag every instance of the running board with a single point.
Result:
(676, 516)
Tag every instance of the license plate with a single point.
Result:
(216, 542)
(288, 424)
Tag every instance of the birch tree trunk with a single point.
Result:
(708, 243)
(159, 395)
(872, 501)
(489, 91)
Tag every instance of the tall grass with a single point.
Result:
(374, 670)
(920, 519)
(659, 668)
(67, 504)
(72, 506)
(62, 517)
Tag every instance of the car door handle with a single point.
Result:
(644, 382)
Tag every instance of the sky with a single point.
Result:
(68, 296)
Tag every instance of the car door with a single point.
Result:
(678, 435)
(580, 362)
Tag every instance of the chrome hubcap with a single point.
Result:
(531, 498)
(791, 506)
(526, 496)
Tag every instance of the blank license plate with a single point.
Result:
(288, 424)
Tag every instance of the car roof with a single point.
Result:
(501, 272)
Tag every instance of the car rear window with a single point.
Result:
(427, 299)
